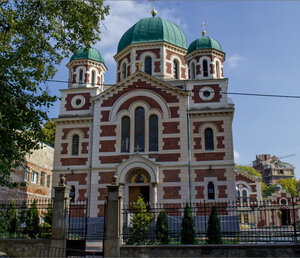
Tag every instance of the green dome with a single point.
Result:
(153, 29)
(91, 53)
(204, 43)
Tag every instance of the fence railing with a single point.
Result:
(240, 221)
(30, 219)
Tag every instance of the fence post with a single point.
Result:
(60, 215)
(113, 220)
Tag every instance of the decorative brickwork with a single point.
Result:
(171, 143)
(220, 144)
(183, 70)
(222, 191)
(174, 112)
(240, 177)
(106, 177)
(197, 141)
(170, 53)
(86, 105)
(197, 88)
(151, 102)
(125, 57)
(169, 68)
(156, 51)
(157, 66)
(253, 187)
(112, 159)
(219, 125)
(170, 127)
(171, 175)
(172, 209)
(64, 148)
(202, 173)
(100, 210)
(103, 192)
(108, 130)
(171, 192)
(165, 157)
(209, 156)
(73, 161)
(107, 146)
(199, 192)
(85, 131)
(105, 116)
(81, 178)
(81, 194)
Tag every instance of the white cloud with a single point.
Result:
(237, 156)
(234, 60)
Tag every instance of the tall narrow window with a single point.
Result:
(245, 196)
(209, 139)
(72, 193)
(153, 133)
(218, 69)
(139, 132)
(123, 71)
(193, 71)
(205, 68)
(148, 65)
(80, 77)
(175, 69)
(211, 191)
(93, 78)
(75, 144)
(125, 142)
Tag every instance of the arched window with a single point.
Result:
(139, 130)
(75, 144)
(245, 196)
(205, 68)
(148, 65)
(175, 69)
(93, 78)
(153, 133)
(123, 71)
(125, 142)
(193, 71)
(80, 77)
(72, 193)
(209, 139)
(218, 69)
(211, 191)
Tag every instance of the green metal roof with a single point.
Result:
(153, 29)
(204, 43)
(90, 53)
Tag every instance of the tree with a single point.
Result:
(161, 228)
(35, 36)
(12, 219)
(214, 235)
(47, 225)
(250, 170)
(32, 221)
(140, 222)
(49, 132)
(267, 190)
(290, 185)
(187, 227)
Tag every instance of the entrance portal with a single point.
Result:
(136, 191)
(285, 217)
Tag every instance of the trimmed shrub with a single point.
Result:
(32, 221)
(161, 228)
(12, 219)
(214, 235)
(46, 231)
(187, 227)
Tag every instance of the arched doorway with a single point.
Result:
(138, 181)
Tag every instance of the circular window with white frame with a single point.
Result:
(78, 101)
(206, 93)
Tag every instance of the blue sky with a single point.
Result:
(261, 40)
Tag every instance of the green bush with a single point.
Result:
(140, 222)
(187, 227)
(214, 235)
(46, 230)
(161, 228)
(12, 219)
(32, 221)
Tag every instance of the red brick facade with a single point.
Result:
(171, 192)
(170, 127)
(202, 173)
(81, 178)
(106, 177)
(73, 161)
(209, 156)
(197, 88)
(171, 143)
(86, 105)
(171, 175)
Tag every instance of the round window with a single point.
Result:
(206, 93)
(283, 201)
(78, 101)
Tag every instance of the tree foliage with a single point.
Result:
(187, 227)
(46, 230)
(214, 235)
(49, 132)
(32, 221)
(267, 190)
(290, 185)
(12, 219)
(140, 222)
(161, 228)
(250, 170)
(34, 38)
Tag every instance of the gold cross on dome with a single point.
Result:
(139, 65)
(203, 25)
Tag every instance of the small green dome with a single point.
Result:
(90, 53)
(204, 43)
(153, 29)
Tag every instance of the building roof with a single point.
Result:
(90, 53)
(204, 42)
(153, 29)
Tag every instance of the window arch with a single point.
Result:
(153, 133)
(205, 68)
(148, 65)
(218, 69)
(193, 71)
(139, 130)
(80, 77)
(75, 144)
(124, 71)
(125, 135)
(175, 69)
(209, 139)
(93, 78)
(211, 191)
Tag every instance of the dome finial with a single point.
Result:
(153, 12)
(203, 28)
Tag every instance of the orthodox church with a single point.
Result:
(164, 129)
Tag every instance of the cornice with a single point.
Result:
(71, 120)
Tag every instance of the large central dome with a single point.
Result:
(153, 29)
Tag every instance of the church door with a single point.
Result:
(136, 191)
(285, 217)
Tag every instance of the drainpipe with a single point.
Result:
(189, 153)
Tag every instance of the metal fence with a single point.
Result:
(30, 219)
(240, 221)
